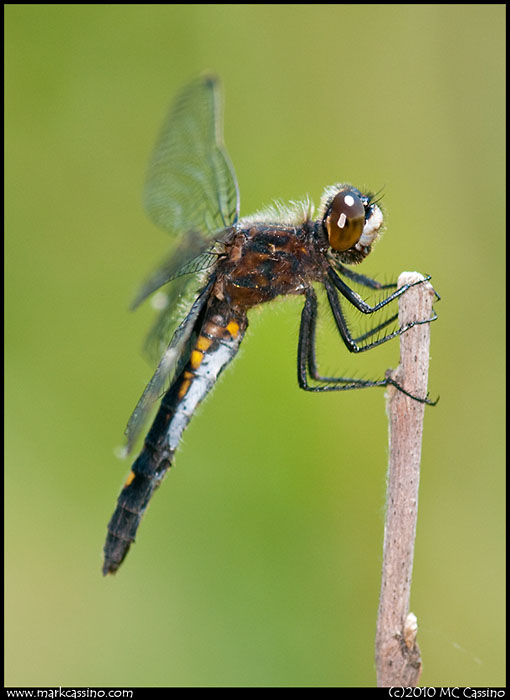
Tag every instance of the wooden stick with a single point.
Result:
(398, 659)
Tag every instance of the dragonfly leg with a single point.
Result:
(307, 363)
(355, 298)
(363, 280)
(352, 343)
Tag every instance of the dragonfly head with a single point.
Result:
(351, 221)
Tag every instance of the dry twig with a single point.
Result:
(398, 660)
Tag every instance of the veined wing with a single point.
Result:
(190, 191)
(169, 363)
(191, 185)
(191, 255)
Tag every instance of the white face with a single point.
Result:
(372, 226)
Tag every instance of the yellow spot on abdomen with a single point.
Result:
(203, 343)
(130, 478)
(184, 388)
(233, 328)
(196, 359)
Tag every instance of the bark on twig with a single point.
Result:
(398, 660)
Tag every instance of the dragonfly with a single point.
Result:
(221, 267)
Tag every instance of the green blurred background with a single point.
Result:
(259, 561)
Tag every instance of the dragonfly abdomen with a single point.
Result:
(216, 344)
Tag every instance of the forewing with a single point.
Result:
(191, 184)
(191, 192)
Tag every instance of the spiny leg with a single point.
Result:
(307, 363)
(341, 323)
(370, 283)
(307, 359)
(376, 329)
(358, 302)
(363, 280)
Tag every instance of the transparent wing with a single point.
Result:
(192, 255)
(170, 363)
(191, 192)
(173, 304)
(191, 185)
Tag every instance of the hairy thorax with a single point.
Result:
(264, 262)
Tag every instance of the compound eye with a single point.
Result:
(345, 220)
